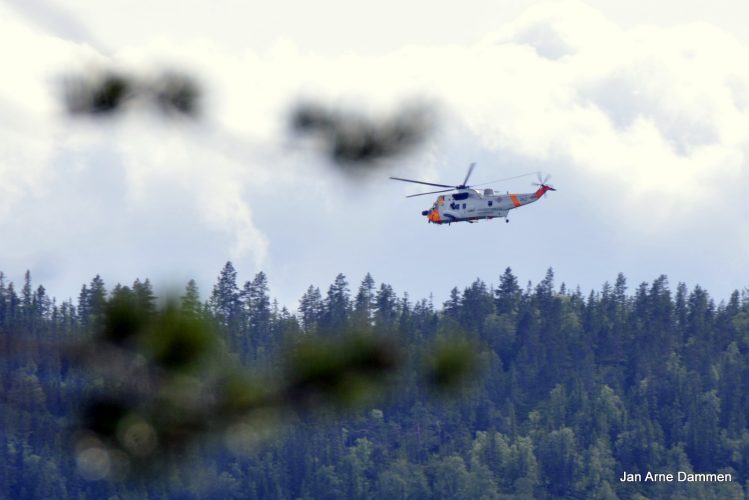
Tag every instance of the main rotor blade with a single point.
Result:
(421, 182)
(470, 171)
(505, 179)
(430, 192)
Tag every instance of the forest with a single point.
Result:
(568, 391)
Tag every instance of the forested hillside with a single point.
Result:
(572, 391)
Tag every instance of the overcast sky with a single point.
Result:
(639, 110)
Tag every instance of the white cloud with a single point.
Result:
(645, 127)
(660, 112)
(136, 196)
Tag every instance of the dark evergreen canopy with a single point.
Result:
(573, 390)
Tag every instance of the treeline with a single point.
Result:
(573, 390)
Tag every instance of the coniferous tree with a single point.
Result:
(386, 308)
(476, 305)
(225, 296)
(144, 296)
(122, 293)
(700, 342)
(424, 319)
(84, 309)
(337, 305)
(42, 303)
(225, 305)
(451, 307)
(190, 301)
(405, 317)
(27, 299)
(311, 309)
(364, 303)
(662, 338)
(258, 309)
(286, 328)
(67, 317)
(507, 294)
(91, 302)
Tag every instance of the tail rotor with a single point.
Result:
(542, 184)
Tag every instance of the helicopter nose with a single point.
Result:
(425, 212)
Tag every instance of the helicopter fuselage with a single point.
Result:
(470, 205)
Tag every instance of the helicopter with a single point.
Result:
(471, 205)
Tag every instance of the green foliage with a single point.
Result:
(450, 362)
(339, 372)
(567, 392)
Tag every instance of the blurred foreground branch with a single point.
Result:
(166, 381)
(350, 139)
(346, 138)
(107, 92)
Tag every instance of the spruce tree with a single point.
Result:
(311, 309)
(257, 306)
(225, 305)
(337, 305)
(364, 302)
(144, 296)
(190, 301)
(507, 294)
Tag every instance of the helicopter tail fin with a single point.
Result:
(543, 188)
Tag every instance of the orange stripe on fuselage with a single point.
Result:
(515, 200)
